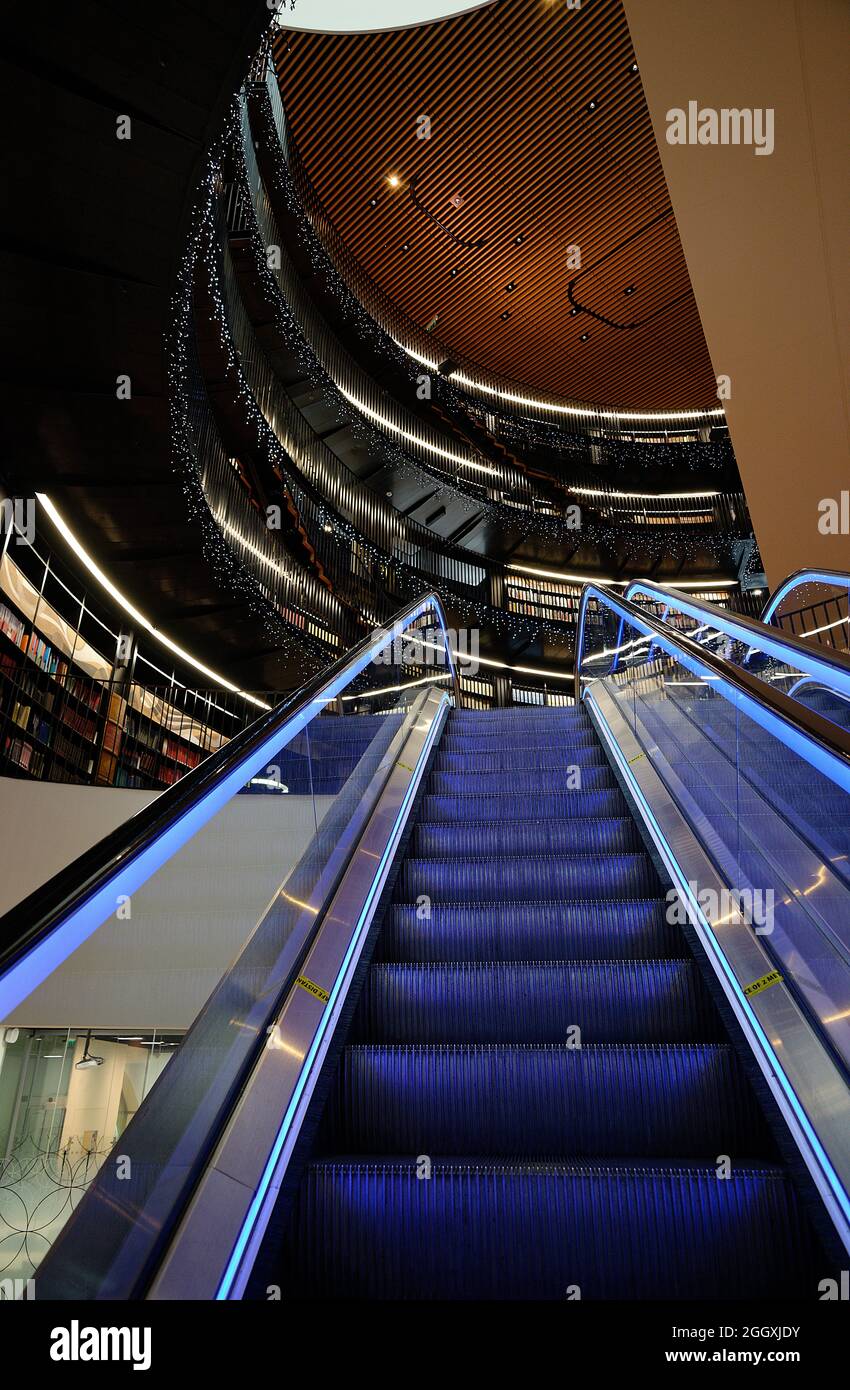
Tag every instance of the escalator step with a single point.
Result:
(604, 1231)
(582, 930)
(500, 806)
(521, 759)
(536, 1002)
(535, 1101)
(533, 781)
(575, 836)
(527, 877)
(473, 742)
(525, 717)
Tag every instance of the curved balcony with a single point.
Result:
(421, 348)
(610, 514)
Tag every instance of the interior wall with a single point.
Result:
(155, 968)
(47, 824)
(766, 239)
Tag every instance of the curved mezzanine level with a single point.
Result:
(138, 527)
(271, 375)
(284, 198)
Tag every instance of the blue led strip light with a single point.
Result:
(321, 1036)
(796, 581)
(834, 1182)
(795, 740)
(772, 645)
(47, 955)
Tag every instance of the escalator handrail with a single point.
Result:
(814, 726)
(822, 663)
(33, 919)
(837, 578)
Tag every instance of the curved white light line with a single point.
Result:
(698, 585)
(582, 412)
(406, 434)
(138, 618)
(649, 496)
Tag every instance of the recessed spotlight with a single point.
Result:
(630, 289)
(510, 286)
(574, 312)
(592, 104)
(584, 337)
(633, 69)
(506, 314)
(406, 246)
(373, 202)
(389, 494)
(393, 180)
(518, 240)
(453, 270)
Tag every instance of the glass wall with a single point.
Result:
(66, 1097)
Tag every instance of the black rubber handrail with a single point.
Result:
(32, 919)
(797, 715)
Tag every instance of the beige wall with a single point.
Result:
(188, 922)
(767, 241)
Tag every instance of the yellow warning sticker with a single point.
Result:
(312, 988)
(764, 983)
(406, 766)
(636, 759)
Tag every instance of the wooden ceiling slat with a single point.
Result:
(506, 88)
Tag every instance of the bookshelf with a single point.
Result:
(69, 712)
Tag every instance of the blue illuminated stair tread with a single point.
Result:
(524, 907)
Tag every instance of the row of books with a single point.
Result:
(72, 752)
(27, 717)
(79, 722)
(44, 656)
(23, 754)
(11, 625)
(189, 757)
(29, 704)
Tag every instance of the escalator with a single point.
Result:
(496, 1022)
(537, 1085)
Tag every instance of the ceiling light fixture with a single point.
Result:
(633, 69)
(393, 180)
(406, 246)
(373, 202)
(592, 105)
(518, 240)
(584, 337)
(506, 314)
(630, 289)
(510, 286)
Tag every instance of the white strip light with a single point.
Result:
(698, 585)
(392, 428)
(647, 496)
(583, 412)
(138, 618)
